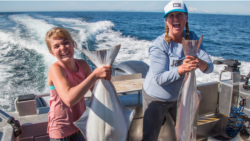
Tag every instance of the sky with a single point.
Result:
(208, 7)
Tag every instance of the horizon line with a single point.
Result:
(124, 11)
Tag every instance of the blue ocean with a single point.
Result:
(25, 59)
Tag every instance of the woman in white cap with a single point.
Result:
(168, 65)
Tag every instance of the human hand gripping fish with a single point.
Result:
(103, 72)
(189, 63)
(189, 99)
(105, 118)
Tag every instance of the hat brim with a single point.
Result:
(174, 10)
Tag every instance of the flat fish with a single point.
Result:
(105, 118)
(189, 99)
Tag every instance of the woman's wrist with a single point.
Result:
(203, 65)
(180, 70)
(94, 75)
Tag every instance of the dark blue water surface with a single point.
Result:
(226, 36)
(24, 57)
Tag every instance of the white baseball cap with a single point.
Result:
(175, 6)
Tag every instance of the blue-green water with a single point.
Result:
(24, 57)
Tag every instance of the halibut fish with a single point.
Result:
(189, 99)
(105, 118)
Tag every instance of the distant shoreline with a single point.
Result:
(11, 12)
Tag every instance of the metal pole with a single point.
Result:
(4, 115)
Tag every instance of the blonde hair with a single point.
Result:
(169, 39)
(58, 32)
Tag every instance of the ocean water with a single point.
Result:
(25, 60)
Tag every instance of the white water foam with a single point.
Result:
(132, 48)
(100, 32)
(36, 30)
(86, 31)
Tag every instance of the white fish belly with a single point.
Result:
(187, 109)
(106, 119)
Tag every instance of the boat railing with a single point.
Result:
(124, 85)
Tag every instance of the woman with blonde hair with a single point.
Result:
(168, 65)
(69, 80)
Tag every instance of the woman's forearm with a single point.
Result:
(77, 93)
(71, 95)
(203, 65)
